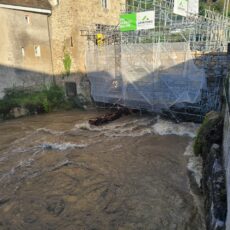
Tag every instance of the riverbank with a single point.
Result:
(19, 102)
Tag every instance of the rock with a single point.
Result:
(4, 200)
(213, 185)
(55, 207)
(30, 219)
(219, 193)
(19, 112)
(208, 145)
(215, 148)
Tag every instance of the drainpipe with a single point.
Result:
(51, 51)
(227, 6)
(224, 9)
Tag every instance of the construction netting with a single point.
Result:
(149, 76)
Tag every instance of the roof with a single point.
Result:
(39, 4)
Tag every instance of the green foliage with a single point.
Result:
(210, 132)
(215, 5)
(35, 101)
(5, 107)
(202, 8)
(198, 144)
(67, 63)
(54, 97)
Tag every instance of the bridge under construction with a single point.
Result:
(176, 68)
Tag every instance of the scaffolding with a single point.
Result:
(165, 69)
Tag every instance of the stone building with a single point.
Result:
(37, 34)
(68, 18)
(25, 55)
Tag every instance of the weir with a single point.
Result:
(176, 69)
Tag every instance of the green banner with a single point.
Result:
(128, 22)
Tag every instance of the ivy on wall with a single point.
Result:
(67, 62)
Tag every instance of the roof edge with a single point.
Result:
(24, 8)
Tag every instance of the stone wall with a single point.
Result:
(16, 33)
(226, 149)
(226, 138)
(208, 146)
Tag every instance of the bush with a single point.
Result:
(35, 101)
(210, 132)
(5, 107)
(202, 8)
(55, 96)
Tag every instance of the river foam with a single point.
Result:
(194, 163)
(62, 146)
(49, 131)
(141, 127)
(163, 127)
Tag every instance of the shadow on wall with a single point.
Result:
(15, 77)
(136, 88)
(152, 91)
(19, 77)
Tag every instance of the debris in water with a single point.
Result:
(62, 164)
(109, 117)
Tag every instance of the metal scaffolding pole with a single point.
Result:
(227, 7)
(148, 51)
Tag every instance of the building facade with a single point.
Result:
(68, 18)
(38, 34)
(25, 44)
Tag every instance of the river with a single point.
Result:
(59, 173)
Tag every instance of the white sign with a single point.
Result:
(186, 7)
(181, 7)
(145, 20)
(193, 6)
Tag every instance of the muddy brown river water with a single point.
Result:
(59, 173)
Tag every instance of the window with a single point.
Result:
(37, 51)
(23, 52)
(27, 18)
(105, 4)
(71, 89)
